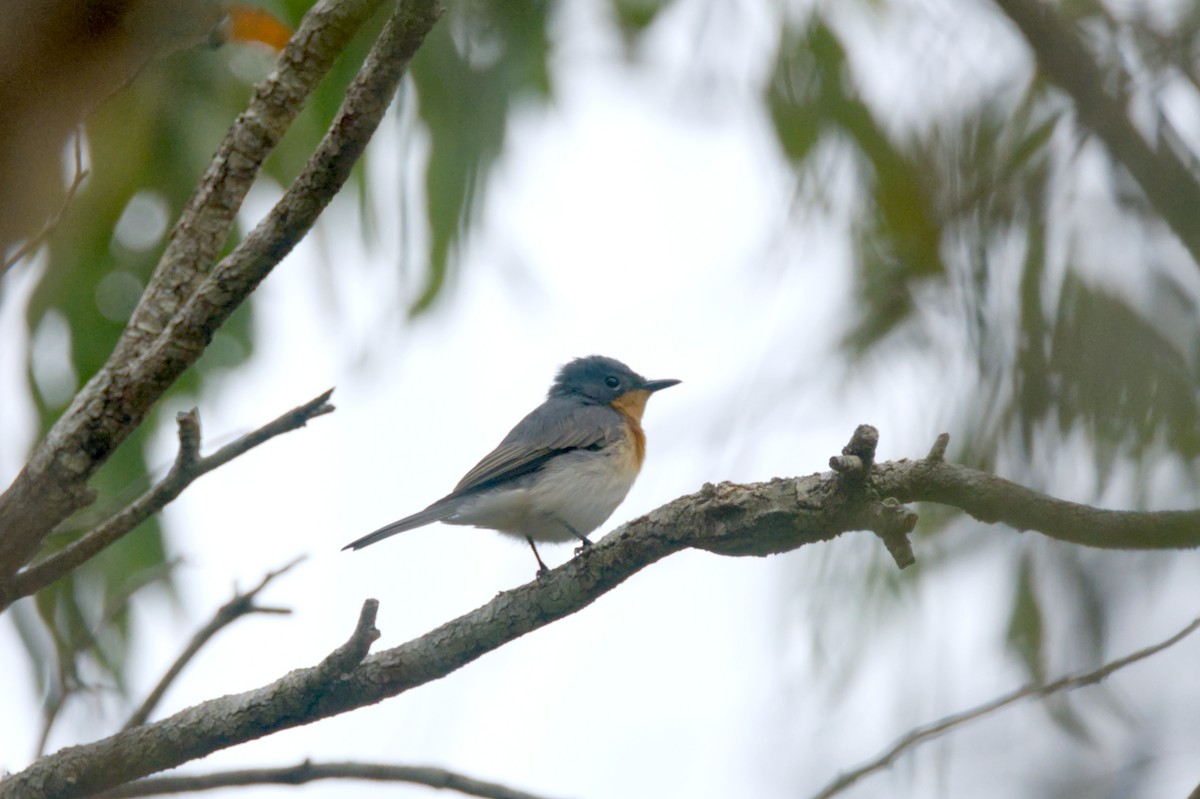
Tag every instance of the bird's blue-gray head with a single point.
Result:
(601, 380)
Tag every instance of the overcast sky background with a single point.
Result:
(636, 219)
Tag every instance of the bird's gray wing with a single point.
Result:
(557, 426)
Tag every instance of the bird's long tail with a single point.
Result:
(434, 513)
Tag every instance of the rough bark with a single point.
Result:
(757, 519)
(187, 301)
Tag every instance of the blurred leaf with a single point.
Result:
(1025, 631)
(1064, 715)
(898, 240)
(479, 62)
(1032, 370)
(633, 17)
(792, 93)
(1026, 636)
(1119, 376)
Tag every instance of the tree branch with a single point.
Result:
(937, 728)
(231, 611)
(735, 520)
(367, 99)
(184, 304)
(756, 519)
(205, 222)
(993, 500)
(188, 467)
(1168, 183)
(308, 772)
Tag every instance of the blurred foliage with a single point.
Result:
(1083, 367)
(480, 60)
(146, 147)
(898, 238)
(970, 215)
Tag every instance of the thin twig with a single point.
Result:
(66, 676)
(34, 242)
(231, 611)
(188, 467)
(308, 772)
(929, 731)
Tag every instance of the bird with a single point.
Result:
(562, 470)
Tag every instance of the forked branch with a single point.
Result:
(188, 467)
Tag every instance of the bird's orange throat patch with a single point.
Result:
(250, 24)
(631, 405)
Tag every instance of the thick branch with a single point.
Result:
(188, 467)
(307, 771)
(367, 99)
(757, 519)
(929, 731)
(204, 225)
(1169, 184)
(183, 305)
(231, 611)
(737, 520)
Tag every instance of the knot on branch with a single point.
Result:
(888, 519)
(188, 458)
(858, 456)
(937, 453)
(894, 523)
(354, 651)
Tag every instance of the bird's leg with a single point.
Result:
(542, 570)
(583, 538)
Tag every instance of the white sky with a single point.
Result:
(629, 222)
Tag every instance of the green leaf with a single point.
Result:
(476, 65)
(1025, 627)
(633, 17)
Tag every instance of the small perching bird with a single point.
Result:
(562, 471)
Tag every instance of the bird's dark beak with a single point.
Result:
(658, 385)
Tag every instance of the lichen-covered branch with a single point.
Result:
(186, 302)
(757, 519)
(204, 225)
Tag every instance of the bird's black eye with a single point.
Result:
(611, 381)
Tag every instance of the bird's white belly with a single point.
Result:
(574, 493)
